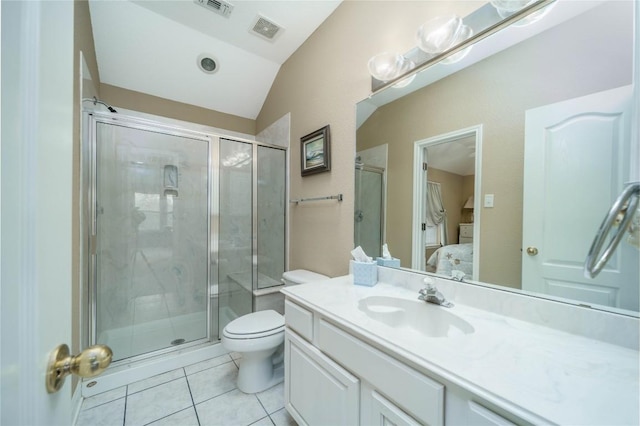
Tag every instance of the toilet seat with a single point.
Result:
(255, 326)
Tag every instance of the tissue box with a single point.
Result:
(364, 273)
(390, 263)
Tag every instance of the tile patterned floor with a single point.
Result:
(201, 394)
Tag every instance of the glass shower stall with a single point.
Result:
(369, 209)
(180, 227)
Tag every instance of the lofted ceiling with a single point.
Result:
(457, 156)
(153, 47)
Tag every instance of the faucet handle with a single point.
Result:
(430, 288)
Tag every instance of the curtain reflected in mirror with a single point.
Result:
(436, 216)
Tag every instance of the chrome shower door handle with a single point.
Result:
(596, 261)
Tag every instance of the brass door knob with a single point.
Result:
(88, 363)
(532, 251)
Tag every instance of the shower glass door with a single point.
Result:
(271, 215)
(369, 210)
(151, 264)
(235, 235)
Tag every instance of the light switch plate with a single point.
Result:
(488, 200)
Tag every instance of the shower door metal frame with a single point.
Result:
(254, 204)
(88, 170)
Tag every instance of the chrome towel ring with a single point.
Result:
(626, 205)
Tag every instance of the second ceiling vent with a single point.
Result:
(220, 7)
(265, 28)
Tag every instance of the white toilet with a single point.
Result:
(259, 338)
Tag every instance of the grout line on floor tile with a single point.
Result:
(191, 395)
(214, 397)
(155, 386)
(100, 405)
(126, 397)
(261, 404)
(171, 414)
(262, 418)
(208, 368)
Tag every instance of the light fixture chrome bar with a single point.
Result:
(485, 21)
(330, 197)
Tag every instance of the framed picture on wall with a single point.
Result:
(315, 152)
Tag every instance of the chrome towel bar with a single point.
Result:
(330, 197)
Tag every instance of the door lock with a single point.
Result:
(532, 251)
(88, 363)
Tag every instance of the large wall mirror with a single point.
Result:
(526, 150)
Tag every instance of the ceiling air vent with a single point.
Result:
(265, 28)
(218, 6)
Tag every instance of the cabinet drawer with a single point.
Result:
(466, 231)
(299, 319)
(415, 393)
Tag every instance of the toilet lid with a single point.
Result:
(301, 276)
(256, 323)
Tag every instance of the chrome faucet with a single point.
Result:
(430, 294)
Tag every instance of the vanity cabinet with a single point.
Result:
(331, 377)
(335, 378)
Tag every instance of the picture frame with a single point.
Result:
(315, 152)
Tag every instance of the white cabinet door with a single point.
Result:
(317, 390)
(386, 413)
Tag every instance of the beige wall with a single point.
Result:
(468, 188)
(141, 102)
(494, 93)
(320, 84)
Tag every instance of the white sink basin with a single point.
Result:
(425, 318)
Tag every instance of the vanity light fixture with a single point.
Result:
(434, 37)
(441, 33)
(506, 8)
(389, 65)
(448, 39)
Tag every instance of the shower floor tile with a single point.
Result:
(202, 394)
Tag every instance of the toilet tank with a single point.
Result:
(301, 276)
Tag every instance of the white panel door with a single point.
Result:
(577, 151)
(37, 112)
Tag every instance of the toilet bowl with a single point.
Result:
(259, 338)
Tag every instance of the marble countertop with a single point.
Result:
(538, 373)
